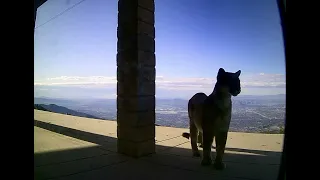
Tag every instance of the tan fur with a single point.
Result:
(210, 117)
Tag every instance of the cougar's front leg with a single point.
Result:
(221, 140)
(207, 138)
(193, 136)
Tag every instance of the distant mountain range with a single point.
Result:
(250, 113)
(62, 110)
(39, 107)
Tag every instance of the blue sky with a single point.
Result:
(75, 54)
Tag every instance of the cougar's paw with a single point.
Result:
(200, 145)
(196, 154)
(219, 165)
(206, 162)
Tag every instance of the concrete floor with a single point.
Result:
(68, 147)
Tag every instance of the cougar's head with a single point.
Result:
(229, 81)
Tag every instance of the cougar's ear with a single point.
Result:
(221, 71)
(238, 73)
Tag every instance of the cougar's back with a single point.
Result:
(195, 109)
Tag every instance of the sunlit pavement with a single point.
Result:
(69, 147)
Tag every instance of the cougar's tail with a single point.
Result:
(190, 109)
(186, 135)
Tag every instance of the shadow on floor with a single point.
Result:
(102, 162)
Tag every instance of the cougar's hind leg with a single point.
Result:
(193, 136)
(207, 143)
(200, 139)
(221, 140)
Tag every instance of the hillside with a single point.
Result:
(62, 110)
(39, 107)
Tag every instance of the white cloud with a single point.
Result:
(77, 80)
(260, 80)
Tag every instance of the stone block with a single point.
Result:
(135, 134)
(147, 4)
(135, 149)
(130, 29)
(146, 29)
(135, 119)
(131, 73)
(137, 42)
(139, 88)
(146, 15)
(134, 104)
(136, 58)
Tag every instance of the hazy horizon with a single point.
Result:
(159, 98)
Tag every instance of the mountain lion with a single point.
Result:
(211, 116)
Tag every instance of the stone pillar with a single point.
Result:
(136, 78)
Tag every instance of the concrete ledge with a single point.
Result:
(105, 132)
(102, 140)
